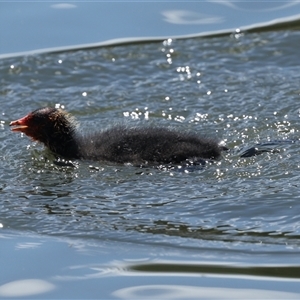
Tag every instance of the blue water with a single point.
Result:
(227, 231)
(26, 26)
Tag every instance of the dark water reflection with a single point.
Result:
(271, 270)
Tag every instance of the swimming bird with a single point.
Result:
(155, 145)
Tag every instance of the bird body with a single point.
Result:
(146, 144)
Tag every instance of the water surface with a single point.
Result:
(241, 88)
(30, 26)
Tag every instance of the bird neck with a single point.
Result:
(62, 141)
(65, 147)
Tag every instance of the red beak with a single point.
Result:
(21, 124)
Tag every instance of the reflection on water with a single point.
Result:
(259, 6)
(25, 288)
(52, 268)
(195, 292)
(63, 6)
(189, 17)
(212, 268)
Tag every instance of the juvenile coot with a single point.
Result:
(121, 144)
